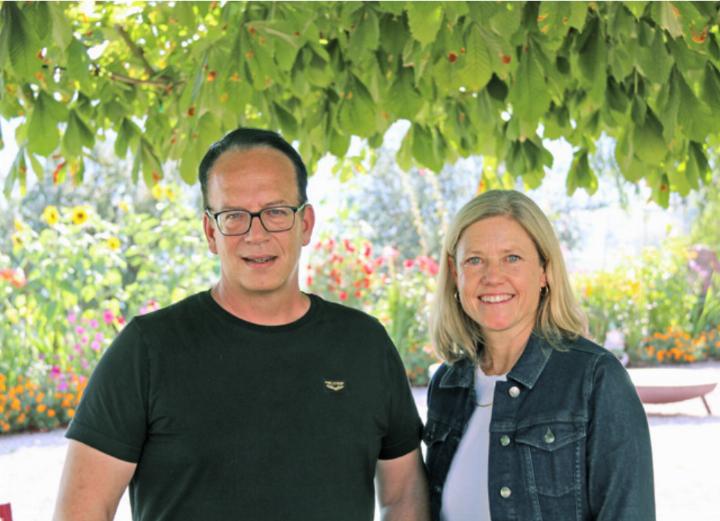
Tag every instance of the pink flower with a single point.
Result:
(80, 330)
(71, 318)
(408, 263)
(343, 295)
(108, 316)
(54, 372)
(96, 345)
(348, 245)
(94, 323)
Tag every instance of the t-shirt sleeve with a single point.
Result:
(404, 424)
(112, 415)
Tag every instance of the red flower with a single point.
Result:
(343, 295)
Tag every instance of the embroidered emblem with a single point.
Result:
(335, 385)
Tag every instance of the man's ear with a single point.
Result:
(210, 233)
(307, 223)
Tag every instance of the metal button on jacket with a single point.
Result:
(549, 436)
(505, 492)
(504, 440)
(514, 391)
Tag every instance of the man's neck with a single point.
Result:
(271, 309)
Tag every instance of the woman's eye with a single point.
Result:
(513, 258)
(472, 261)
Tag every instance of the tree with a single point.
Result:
(495, 78)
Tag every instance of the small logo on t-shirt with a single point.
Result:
(335, 385)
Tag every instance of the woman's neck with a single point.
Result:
(502, 351)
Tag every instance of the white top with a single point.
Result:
(465, 496)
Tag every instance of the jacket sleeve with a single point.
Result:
(619, 457)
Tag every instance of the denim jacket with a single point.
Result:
(569, 438)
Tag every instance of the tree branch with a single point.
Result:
(136, 50)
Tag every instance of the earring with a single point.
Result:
(544, 291)
(457, 296)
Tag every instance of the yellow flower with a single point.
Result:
(79, 215)
(169, 193)
(17, 240)
(123, 206)
(113, 243)
(51, 215)
(19, 225)
(158, 192)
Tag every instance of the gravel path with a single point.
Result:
(686, 453)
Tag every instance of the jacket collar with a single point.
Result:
(526, 371)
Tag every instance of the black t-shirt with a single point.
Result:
(232, 420)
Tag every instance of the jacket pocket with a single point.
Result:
(551, 455)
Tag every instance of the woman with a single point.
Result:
(527, 420)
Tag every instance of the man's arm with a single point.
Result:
(92, 484)
(402, 488)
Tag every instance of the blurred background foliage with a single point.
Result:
(79, 260)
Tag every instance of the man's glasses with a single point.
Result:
(238, 222)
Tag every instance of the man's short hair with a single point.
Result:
(246, 138)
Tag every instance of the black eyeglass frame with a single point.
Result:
(214, 216)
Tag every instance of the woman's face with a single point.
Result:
(499, 277)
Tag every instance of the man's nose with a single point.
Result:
(257, 231)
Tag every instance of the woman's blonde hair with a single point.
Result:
(454, 334)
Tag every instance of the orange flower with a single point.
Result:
(51, 413)
(41, 408)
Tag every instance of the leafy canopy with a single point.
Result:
(495, 78)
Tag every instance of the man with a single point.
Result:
(252, 400)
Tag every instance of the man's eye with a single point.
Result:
(234, 216)
(276, 212)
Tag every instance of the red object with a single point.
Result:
(5, 512)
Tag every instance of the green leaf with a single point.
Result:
(127, 136)
(636, 8)
(356, 114)
(424, 148)
(393, 34)
(577, 15)
(528, 93)
(37, 167)
(580, 175)
(338, 143)
(189, 163)
(477, 69)
(77, 135)
(151, 166)
(655, 61)
(43, 134)
(648, 141)
(288, 124)
(668, 17)
(78, 62)
(23, 44)
(366, 35)
(404, 100)
(697, 165)
(592, 57)
(61, 26)
(425, 19)
(711, 86)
